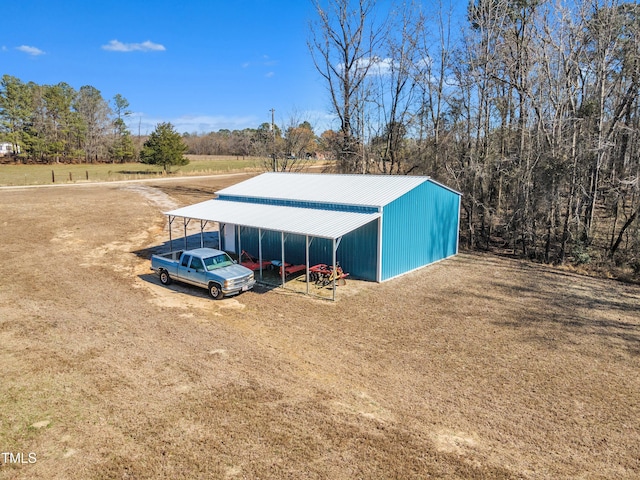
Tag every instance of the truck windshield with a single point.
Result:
(219, 261)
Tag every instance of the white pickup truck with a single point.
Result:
(204, 267)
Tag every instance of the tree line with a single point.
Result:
(56, 123)
(531, 110)
(283, 148)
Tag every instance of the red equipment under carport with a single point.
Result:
(289, 269)
(251, 262)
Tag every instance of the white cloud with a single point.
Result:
(381, 66)
(30, 50)
(269, 74)
(148, 46)
(268, 62)
(375, 66)
(263, 61)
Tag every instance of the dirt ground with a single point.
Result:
(475, 367)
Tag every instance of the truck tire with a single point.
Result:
(215, 291)
(165, 279)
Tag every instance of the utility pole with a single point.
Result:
(273, 132)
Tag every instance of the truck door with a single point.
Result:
(196, 271)
(183, 267)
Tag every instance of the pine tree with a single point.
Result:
(164, 147)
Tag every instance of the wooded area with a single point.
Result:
(531, 110)
(56, 123)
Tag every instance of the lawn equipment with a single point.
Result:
(323, 274)
(251, 262)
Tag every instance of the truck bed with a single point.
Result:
(174, 256)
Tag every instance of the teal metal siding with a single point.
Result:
(294, 246)
(419, 228)
(357, 252)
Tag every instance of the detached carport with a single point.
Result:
(309, 222)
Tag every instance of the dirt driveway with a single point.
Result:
(476, 367)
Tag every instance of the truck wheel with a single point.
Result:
(165, 279)
(215, 291)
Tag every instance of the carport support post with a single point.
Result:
(186, 222)
(222, 229)
(306, 256)
(260, 251)
(203, 223)
(170, 238)
(239, 243)
(334, 269)
(379, 261)
(336, 244)
(282, 267)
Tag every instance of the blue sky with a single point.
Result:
(202, 65)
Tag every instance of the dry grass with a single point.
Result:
(60, 173)
(476, 367)
(16, 174)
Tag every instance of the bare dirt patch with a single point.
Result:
(476, 367)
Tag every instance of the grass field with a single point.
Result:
(477, 367)
(18, 174)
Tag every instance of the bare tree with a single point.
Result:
(344, 40)
(394, 86)
(437, 99)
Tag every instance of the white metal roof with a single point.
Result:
(303, 221)
(361, 190)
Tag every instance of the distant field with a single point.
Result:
(106, 172)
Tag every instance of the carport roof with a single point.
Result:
(303, 221)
